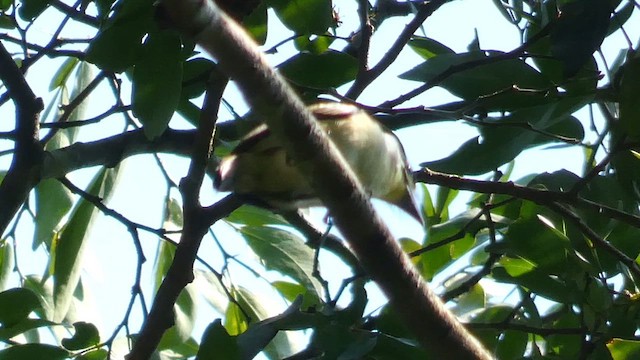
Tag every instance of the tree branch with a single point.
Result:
(112, 150)
(596, 239)
(403, 38)
(22, 175)
(290, 121)
(196, 223)
(74, 14)
(538, 196)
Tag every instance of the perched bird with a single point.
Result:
(260, 170)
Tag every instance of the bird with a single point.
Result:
(263, 174)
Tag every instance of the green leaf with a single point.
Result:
(83, 78)
(211, 290)
(7, 262)
(340, 341)
(480, 80)
(327, 70)
(16, 304)
(389, 347)
(190, 112)
(428, 209)
(489, 315)
(409, 246)
(620, 17)
(256, 23)
(630, 97)
(217, 343)
(541, 283)
(86, 335)
(260, 334)
(33, 351)
(173, 346)
(470, 301)
(579, 30)
(512, 345)
(195, 77)
(173, 217)
(444, 199)
(516, 267)
(6, 333)
(5, 4)
(43, 288)
(6, 22)
(172, 220)
(281, 345)
(284, 252)
(568, 346)
(502, 142)
(69, 248)
(53, 201)
(157, 82)
(291, 292)
(304, 16)
(314, 44)
(493, 314)
(103, 7)
(622, 349)
(388, 322)
(31, 9)
(164, 258)
(255, 216)
(98, 354)
(427, 47)
(542, 245)
(174, 343)
(62, 75)
(599, 296)
(118, 44)
(235, 320)
(186, 311)
(433, 261)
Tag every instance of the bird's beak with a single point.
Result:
(408, 204)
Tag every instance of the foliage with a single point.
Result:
(564, 245)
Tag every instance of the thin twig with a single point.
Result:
(595, 238)
(394, 51)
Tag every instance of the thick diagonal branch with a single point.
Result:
(287, 117)
(23, 174)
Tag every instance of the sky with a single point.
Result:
(111, 257)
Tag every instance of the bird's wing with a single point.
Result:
(257, 140)
(332, 111)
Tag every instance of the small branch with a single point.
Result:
(23, 173)
(538, 196)
(196, 223)
(595, 238)
(330, 242)
(457, 236)
(488, 265)
(28, 61)
(97, 202)
(394, 51)
(454, 69)
(366, 30)
(74, 14)
(501, 326)
(69, 124)
(46, 50)
(71, 107)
